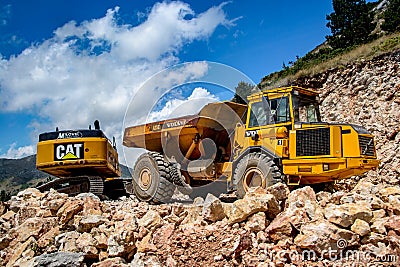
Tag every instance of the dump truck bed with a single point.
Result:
(216, 121)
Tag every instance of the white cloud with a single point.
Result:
(153, 89)
(162, 34)
(180, 107)
(5, 15)
(15, 152)
(91, 70)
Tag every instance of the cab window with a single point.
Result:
(305, 110)
(258, 114)
(280, 110)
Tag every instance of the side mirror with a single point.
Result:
(114, 144)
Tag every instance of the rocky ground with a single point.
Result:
(356, 223)
(272, 227)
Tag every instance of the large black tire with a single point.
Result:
(114, 189)
(178, 180)
(255, 170)
(151, 177)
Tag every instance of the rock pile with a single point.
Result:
(271, 227)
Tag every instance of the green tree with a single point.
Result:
(4, 196)
(351, 23)
(392, 17)
(242, 90)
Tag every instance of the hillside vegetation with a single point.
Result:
(359, 31)
(323, 59)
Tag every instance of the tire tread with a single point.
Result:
(276, 175)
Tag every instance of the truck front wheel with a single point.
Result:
(253, 171)
(150, 181)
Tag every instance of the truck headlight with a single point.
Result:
(359, 129)
(325, 167)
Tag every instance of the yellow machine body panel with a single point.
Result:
(85, 152)
(336, 152)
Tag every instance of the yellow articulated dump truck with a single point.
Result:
(277, 137)
(82, 160)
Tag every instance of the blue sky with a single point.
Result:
(66, 63)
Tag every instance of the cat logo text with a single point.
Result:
(68, 151)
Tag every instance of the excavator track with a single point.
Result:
(75, 185)
(96, 185)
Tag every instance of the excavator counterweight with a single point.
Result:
(81, 160)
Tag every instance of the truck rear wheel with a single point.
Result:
(253, 171)
(150, 179)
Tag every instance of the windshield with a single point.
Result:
(258, 114)
(305, 109)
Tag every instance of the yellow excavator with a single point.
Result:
(82, 161)
(277, 137)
